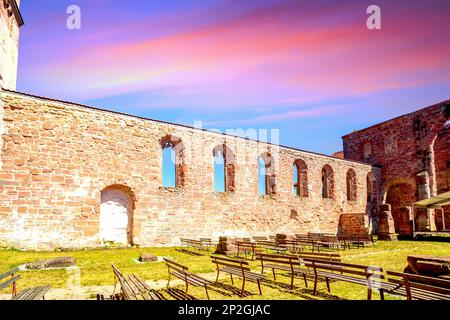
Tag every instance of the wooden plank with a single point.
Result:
(9, 282)
(8, 273)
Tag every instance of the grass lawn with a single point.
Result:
(95, 266)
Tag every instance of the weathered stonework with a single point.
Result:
(58, 157)
(413, 152)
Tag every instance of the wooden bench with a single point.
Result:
(260, 238)
(270, 245)
(320, 256)
(331, 242)
(132, 287)
(415, 287)
(291, 245)
(360, 240)
(199, 245)
(238, 268)
(352, 273)
(246, 247)
(11, 277)
(306, 242)
(182, 272)
(287, 263)
(316, 236)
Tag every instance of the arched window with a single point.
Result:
(266, 175)
(300, 178)
(351, 185)
(172, 162)
(367, 151)
(327, 182)
(224, 168)
(219, 171)
(169, 180)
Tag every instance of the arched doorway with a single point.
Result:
(116, 215)
(400, 196)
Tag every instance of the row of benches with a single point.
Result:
(311, 241)
(325, 266)
(331, 268)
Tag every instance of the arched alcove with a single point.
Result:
(116, 215)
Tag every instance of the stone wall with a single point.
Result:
(412, 152)
(57, 158)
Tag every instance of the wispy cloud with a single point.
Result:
(282, 116)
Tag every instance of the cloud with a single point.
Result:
(283, 116)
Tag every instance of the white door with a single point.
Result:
(115, 216)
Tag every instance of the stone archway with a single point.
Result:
(401, 196)
(116, 215)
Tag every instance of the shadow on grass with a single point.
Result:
(305, 293)
(234, 290)
(189, 252)
(178, 294)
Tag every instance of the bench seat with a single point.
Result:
(10, 278)
(238, 268)
(238, 272)
(37, 293)
(182, 272)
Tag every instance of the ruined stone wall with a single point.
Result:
(9, 45)
(58, 157)
(442, 160)
(406, 151)
(403, 146)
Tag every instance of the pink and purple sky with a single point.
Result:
(309, 68)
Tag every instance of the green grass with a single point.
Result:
(95, 266)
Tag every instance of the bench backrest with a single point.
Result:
(174, 266)
(229, 262)
(266, 243)
(368, 272)
(420, 283)
(328, 235)
(10, 278)
(281, 259)
(125, 286)
(362, 237)
(315, 235)
(260, 238)
(320, 256)
(245, 244)
(330, 238)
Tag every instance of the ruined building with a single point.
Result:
(76, 176)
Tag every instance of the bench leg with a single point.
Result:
(292, 281)
(186, 291)
(315, 285)
(259, 287)
(217, 278)
(168, 282)
(369, 294)
(381, 294)
(206, 289)
(328, 284)
(232, 282)
(274, 276)
(243, 287)
(306, 281)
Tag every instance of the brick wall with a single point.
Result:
(58, 157)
